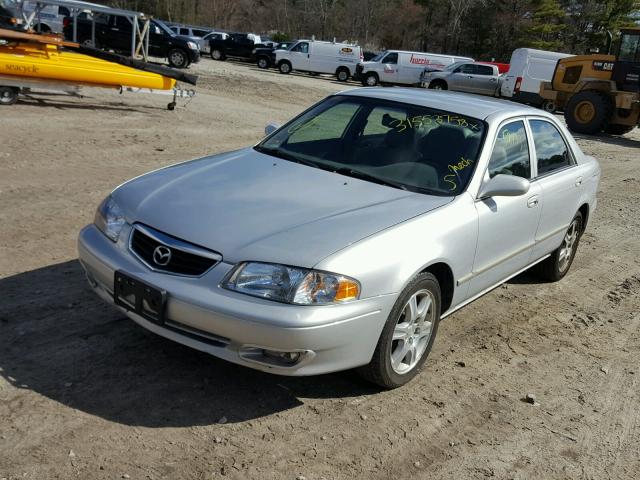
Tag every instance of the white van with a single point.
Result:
(527, 69)
(403, 67)
(339, 59)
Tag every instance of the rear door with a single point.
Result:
(560, 180)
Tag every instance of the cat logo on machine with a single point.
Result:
(602, 66)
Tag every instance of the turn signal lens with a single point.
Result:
(347, 290)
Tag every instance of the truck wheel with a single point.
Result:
(408, 334)
(263, 62)
(549, 106)
(588, 112)
(617, 129)
(88, 43)
(438, 85)
(342, 74)
(284, 67)
(370, 80)
(217, 54)
(8, 95)
(178, 58)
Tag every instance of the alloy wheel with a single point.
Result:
(569, 243)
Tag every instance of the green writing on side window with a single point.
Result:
(435, 119)
(450, 178)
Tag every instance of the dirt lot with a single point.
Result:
(85, 393)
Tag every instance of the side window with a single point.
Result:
(551, 151)
(510, 154)
(184, 31)
(466, 68)
(200, 33)
(328, 125)
(302, 47)
(64, 11)
(484, 70)
(391, 58)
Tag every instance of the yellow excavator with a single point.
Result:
(599, 93)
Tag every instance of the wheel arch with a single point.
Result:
(443, 273)
(584, 210)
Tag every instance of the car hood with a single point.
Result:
(250, 206)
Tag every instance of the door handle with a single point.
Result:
(578, 181)
(532, 201)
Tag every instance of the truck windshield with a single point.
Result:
(378, 57)
(164, 28)
(400, 145)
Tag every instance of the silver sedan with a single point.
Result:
(345, 236)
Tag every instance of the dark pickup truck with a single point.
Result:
(238, 45)
(114, 33)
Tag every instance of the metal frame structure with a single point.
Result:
(139, 36)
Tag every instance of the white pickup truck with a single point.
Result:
(471, 77)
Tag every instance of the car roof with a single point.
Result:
(474, 106)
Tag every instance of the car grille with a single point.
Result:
(185, 258)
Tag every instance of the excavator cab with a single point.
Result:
(626, 70)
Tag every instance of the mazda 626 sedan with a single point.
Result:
(342, 238)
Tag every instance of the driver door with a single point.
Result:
(390, 68)
(300, 56)
(506, 225)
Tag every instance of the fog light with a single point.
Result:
(289, 358)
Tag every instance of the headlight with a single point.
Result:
(192, 45)
(300, 286)
(109, 218)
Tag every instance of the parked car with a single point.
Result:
(402, 67)
(528, 68)
(342, 238)
(266, 56)
(206, 44)
(114, 32)
(237, 45)
(49, 19)
(339, 59)
(470, 77)
(196, 34)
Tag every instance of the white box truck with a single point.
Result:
(527, 69)
(402, 67)
(339, 59)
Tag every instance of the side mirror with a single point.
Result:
(270, 128)
(504, 186)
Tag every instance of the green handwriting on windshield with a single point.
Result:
(431, 120)
(454, 169)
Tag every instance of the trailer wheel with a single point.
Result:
(588, 112)
(549, 106)
(617, 129)
(284, 67)
(342, 74)
(8, 95)
(178, 58)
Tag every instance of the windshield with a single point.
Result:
(378, 57)
(396, 144)
(453, 66)
(164, 28)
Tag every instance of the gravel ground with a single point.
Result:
(85, 393)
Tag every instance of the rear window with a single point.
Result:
(410, 147)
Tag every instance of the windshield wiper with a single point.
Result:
(275, 152)
(350, 172)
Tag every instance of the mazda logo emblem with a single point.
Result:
(162, 255)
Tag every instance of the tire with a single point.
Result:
(284, 67)
(414, 344)
(549, 106)
(617, 129)
(88, 43)
(8, 95)
(370, 80)
(557, 265)
(178, 58)
(217, 54)
(588, 112)
(438, 85)
(342, 74)
(263, 62)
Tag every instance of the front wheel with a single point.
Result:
(284, 67)
(371, 80)
(588, 112)
(8, 95)
(342, 74)
(178, 58)
(557, 265)
(408, 334)
(217, 54)
(438, 85)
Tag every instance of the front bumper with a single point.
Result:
(234, 326)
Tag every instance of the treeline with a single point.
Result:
(483, 29)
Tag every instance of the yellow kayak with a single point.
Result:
(48, 61)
